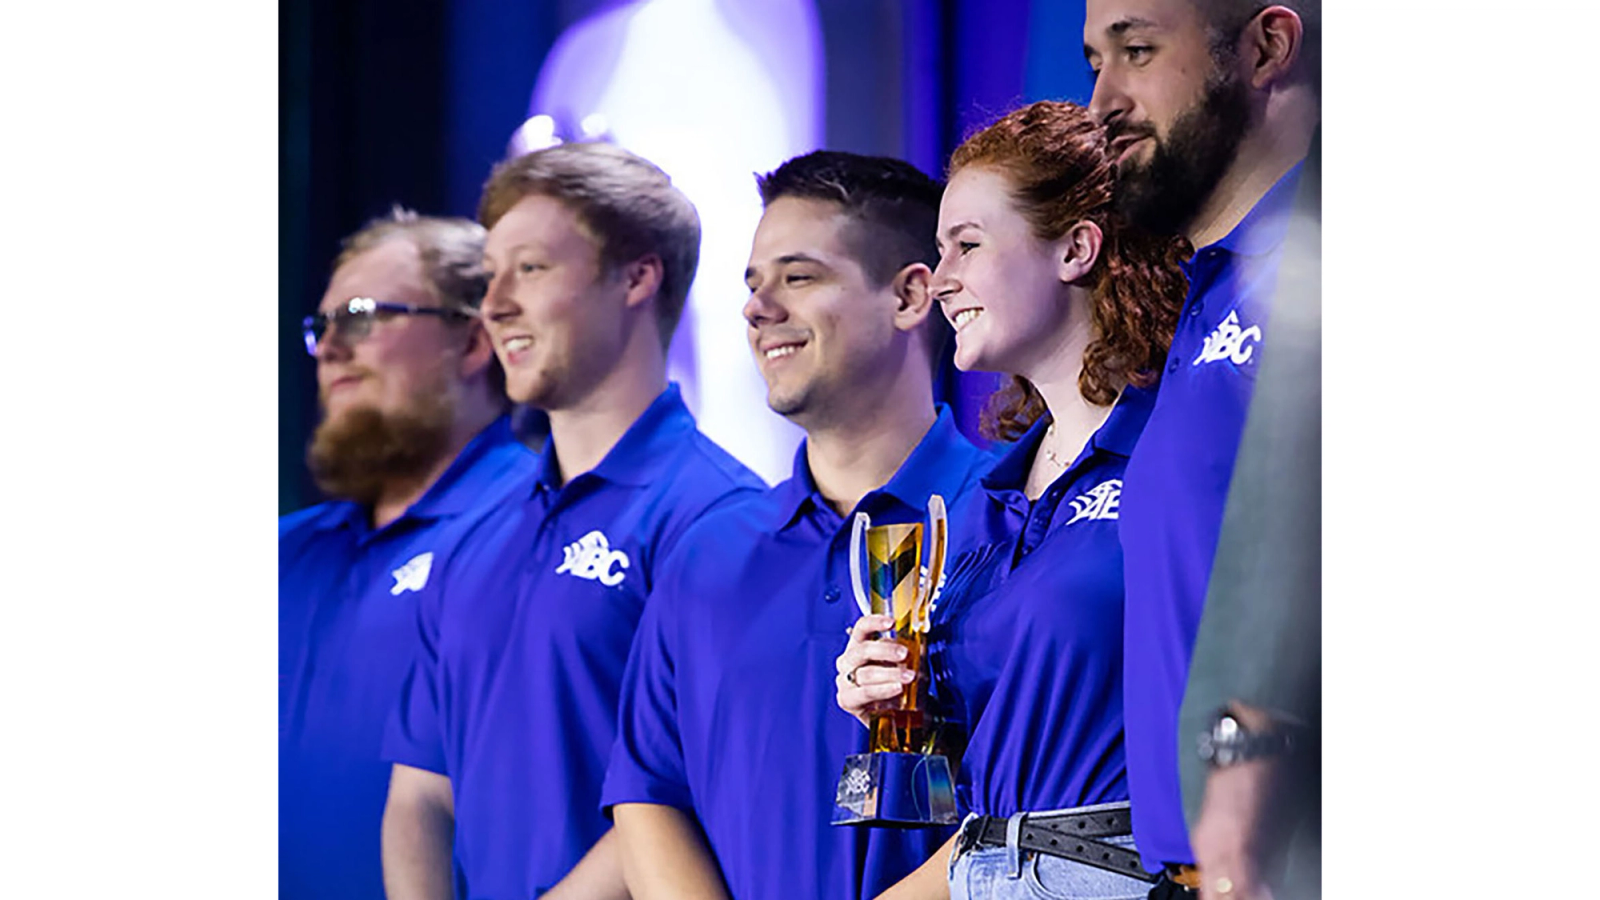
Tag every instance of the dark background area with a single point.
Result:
(412, 102)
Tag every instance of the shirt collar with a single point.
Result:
(342, 514)
(643, 451)
(454, 492)
(1262, 229)
(942, 450)
(1116, 436)
(936, 457)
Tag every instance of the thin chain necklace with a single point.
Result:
(1050, 434)
(1049, 454)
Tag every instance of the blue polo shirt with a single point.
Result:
(1172, 511)
(729, 713)
(347, 606)
(525, 632)
(1027, 647)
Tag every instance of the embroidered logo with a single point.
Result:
(591, 557)
(1100, 502)
(413, 575)
(1229, 341)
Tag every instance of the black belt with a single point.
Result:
(1065, 835)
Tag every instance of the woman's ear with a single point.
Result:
(1077, 250)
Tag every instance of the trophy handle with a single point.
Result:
(938, 536)
(858, 552)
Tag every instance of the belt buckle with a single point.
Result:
(1185, 876)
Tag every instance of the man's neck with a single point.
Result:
(582, 434)
(1270, 150)
(400, 495)
(851, 458)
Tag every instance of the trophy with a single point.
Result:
(900, 782)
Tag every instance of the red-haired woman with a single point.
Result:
(1042, 281)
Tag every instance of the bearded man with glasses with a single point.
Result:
(414, 435)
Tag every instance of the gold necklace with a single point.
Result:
(1045, 445)
(1050, 433)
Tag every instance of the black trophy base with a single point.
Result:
(895, 790)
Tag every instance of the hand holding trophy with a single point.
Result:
(899, 782)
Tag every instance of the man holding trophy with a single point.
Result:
(725, 778)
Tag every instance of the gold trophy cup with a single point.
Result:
(900, 781)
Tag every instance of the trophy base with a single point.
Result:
(895, 790)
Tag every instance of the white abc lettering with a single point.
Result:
(591, 557)
(1099, 502)
(1229, 341)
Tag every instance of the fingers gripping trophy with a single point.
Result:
(900, 782)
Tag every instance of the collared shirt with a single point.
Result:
(1027, 645)
(729, 712)
(347, 598)
(525, 631)
(1172, 511)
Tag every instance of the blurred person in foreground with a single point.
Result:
(413, 436)
(507, 718)
(1044, 281)
(1211, 106)
(724, 776)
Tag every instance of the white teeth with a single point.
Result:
(785, 350)
(518, 343)
(966, 315)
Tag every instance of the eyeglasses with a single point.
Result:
(354, 320)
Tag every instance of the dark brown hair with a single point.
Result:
(626, 203)
(1056, 159)
(893, 209)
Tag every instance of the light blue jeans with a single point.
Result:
(1010, 873)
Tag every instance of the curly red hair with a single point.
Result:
(1059, 164)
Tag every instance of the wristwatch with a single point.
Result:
(1227, 742)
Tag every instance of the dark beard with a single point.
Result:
(364, 452)
(1164, 195)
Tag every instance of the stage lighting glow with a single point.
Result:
(593, 125)
(712, 91)
(537, 133)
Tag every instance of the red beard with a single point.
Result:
(364, 452)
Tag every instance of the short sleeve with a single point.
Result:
(414, 736)
(647, 763)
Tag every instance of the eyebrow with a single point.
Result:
(1119, 29)
(954, 229)
(784, 260)
(518, 248)
(1130, 23)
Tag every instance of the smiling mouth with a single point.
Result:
(782, 350)
(517, 344)
(965, 316)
